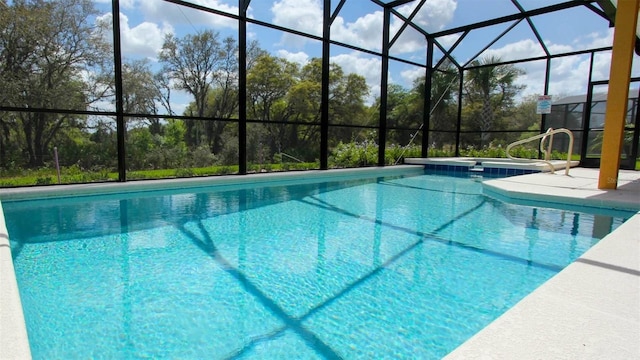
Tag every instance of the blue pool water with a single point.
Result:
(385, 268)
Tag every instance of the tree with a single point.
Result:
(140, 93)
(268, 82)
(347, 93)
(290, 96)
(195, 63)
(162, 82)
(443, 114)
(224, 98)
(47, 49)
(524, 116)
(489, 91)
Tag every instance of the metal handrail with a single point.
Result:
(547, 152)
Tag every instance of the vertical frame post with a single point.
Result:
(426, 116)
(586, 113)
(324, 96)
(543, 117)
(242, 88)
(459, 125)
(117, 68)
(384, 86)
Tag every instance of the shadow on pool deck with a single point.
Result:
(591, 309)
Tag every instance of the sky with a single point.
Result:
(144, 23)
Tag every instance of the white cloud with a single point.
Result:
(601, 66)
(569, 75)
(409, 76)
(161, 11)
(142, 40)
(597, 40)
(432, 17)
(301, 15)
(298, 57)
(124, 4)
(448, 40)
(369, 68)
(365, 31)
(519, 50)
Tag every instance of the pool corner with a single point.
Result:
(587, 311)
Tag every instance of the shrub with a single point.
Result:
(43, 181)
(355, 154)
(186, 172)
(202, 156)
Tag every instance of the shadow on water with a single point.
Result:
(206, 244)
(433, 235)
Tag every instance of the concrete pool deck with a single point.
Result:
(590, 310)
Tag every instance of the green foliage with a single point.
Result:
(43, 181)
(433, 152)
(46, 176)
(395, 153)
(285, 166)
(224, 170)
(355, 154)
(188, 172)
(521, 152)
(49, 45)
(486, 152)
(202, 157)
(490, 92)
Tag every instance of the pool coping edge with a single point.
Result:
(13, 332)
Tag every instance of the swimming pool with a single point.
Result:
(388, 267)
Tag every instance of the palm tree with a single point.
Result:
(492, 89)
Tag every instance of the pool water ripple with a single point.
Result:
(396, 267)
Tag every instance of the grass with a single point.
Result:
(74, 175)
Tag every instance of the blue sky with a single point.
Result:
(145, 22)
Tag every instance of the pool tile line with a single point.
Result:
(387, 183)
(254, 341)
(360, 281)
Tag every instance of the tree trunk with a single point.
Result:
(486, 121)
